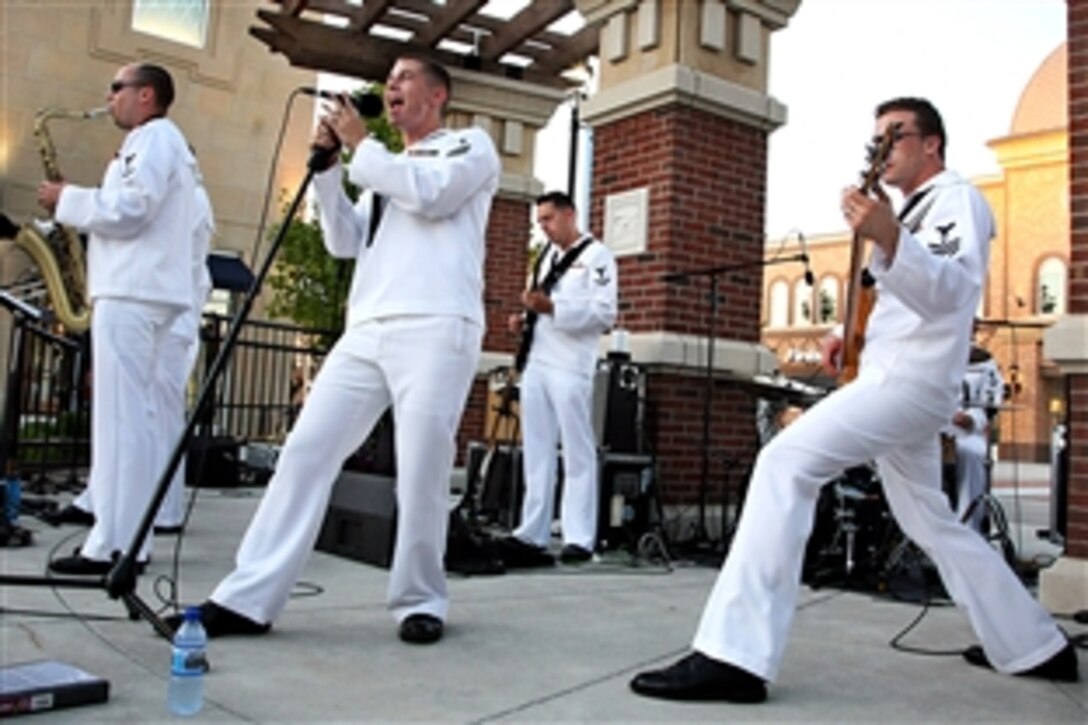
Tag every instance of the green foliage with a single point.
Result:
(310, 287)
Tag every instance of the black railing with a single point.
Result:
(47, 435)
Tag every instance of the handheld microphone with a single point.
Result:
(369, 105)
(810, 278)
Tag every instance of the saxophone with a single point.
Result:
(56, 249)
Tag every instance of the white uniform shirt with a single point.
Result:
(982, 390)
(926, 299)
(427, 257)
(585, 308)
(140, 220)
(188, 323)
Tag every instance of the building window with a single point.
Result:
(802, 304)
(779, 304)
(181, 21)
(829, 301)
(1050, 295)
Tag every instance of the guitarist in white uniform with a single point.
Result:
(570, 303)
(929, 269)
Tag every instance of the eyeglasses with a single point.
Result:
(118, 86)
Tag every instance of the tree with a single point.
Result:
(309, 286)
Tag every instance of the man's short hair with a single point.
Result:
(926, 117)
(436, 72)
(558, 199)
(160, 81)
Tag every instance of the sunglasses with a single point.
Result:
(118, 86)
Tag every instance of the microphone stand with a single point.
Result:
(713, 273)
(120, 581)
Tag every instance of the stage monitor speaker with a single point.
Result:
(213, 462)
(617, 413)
(626, 489)
(361, 521)
(377, 454)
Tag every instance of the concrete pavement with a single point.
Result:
(547, 646)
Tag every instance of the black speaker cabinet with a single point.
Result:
(213, 462)
(361, 522)
(617, 394)
(377, 454)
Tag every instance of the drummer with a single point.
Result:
(983, 390)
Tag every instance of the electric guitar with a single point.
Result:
(861, 294)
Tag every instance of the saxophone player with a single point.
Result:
(139, 223)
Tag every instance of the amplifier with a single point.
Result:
(618, 390)
(626, 485)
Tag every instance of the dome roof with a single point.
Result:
(1043, 105)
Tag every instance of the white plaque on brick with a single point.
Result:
(625, 221)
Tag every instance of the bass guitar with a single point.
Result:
(861, 293)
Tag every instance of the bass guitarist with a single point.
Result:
(929, 269)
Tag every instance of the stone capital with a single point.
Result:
(1066, 344)
(686, 86)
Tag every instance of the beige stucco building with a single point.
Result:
(1027, 286)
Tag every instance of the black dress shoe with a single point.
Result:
(697, 677)
(517, 554)
(1062, 667)
(70, 514)
(78, 565)
(219, 621)
(574, 554)
(421, 629)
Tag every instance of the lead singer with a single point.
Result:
(930, 266)
(414, 327)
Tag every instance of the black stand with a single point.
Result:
(713, 273)
(120, 582)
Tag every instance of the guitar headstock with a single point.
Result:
(876, 157)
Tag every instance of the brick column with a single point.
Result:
(1063, 585)
(680, 161)
(512, 112)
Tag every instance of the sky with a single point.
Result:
(836, 59)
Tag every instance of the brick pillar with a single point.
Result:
(1063, 585)
(680, 129)
(512, 112)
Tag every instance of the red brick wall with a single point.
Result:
(1077, 24)
(504, 278)
(706, 177)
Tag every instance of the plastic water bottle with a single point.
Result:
(187, 665)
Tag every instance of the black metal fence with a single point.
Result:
(46, 432)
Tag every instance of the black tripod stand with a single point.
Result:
(712, 273)
(120, 582)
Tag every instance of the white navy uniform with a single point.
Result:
(912, 364)
(982, 390)
(414, 327)
(180, 347)
(557, 394)
(180, 350)
(139, 222)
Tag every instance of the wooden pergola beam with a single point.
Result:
(535, 17)
(363, 18)
(443, 23)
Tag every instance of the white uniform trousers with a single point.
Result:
(748, 615)
(970, 477)
(424, 367)
(179, 356)
(127, 341)
(556, 406)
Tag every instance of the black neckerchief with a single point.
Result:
(546, 286)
